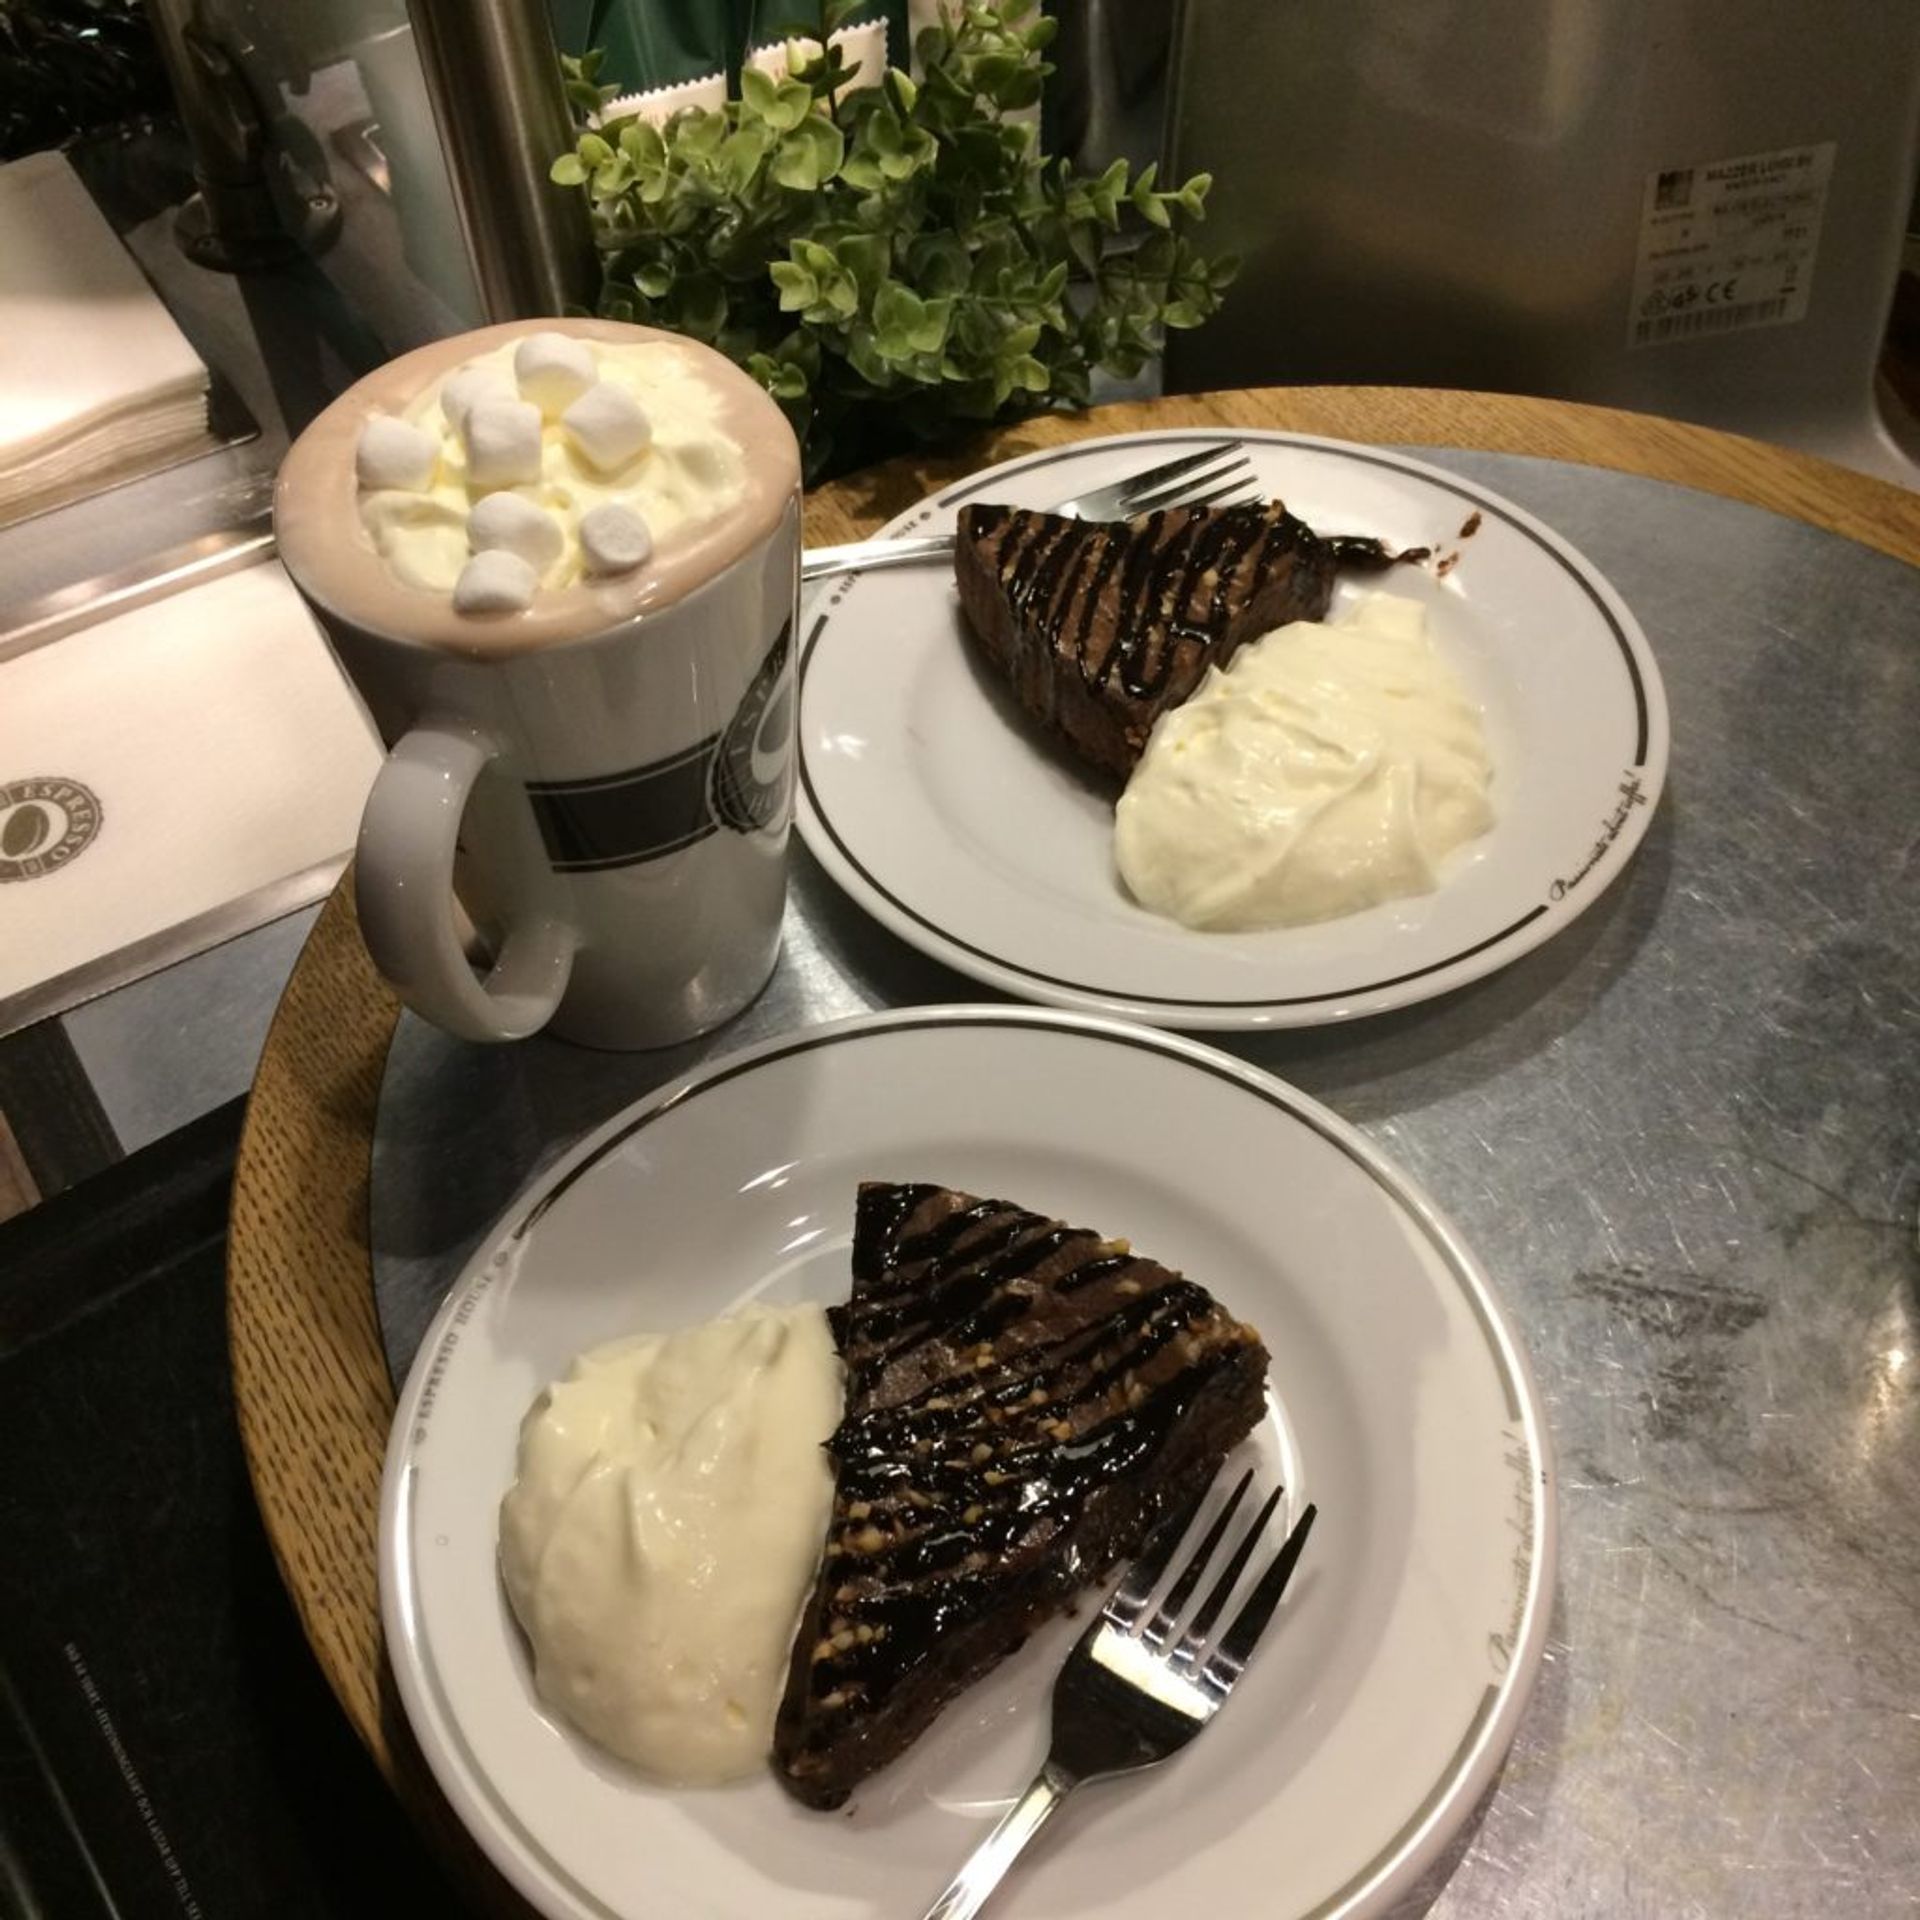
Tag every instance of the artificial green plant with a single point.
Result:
(891, 261)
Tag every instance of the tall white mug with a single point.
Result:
(601, 779)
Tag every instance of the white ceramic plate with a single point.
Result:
(1383, 1696)
(930, 797)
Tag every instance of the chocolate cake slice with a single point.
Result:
(1101, 626)
(1024, 1401)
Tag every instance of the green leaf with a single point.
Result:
(1157, 255)
(641, 143)
(824, 73)
(865, 257)
(819, 260)
(781, 378)
(940, 263)
(580, 82)
(568, 171)
(798, 288)
(897, 310)
(801, 349)
(1072, 386)
(809, 155)
(782, 104)
(795, 164)
(929, 333)
(612, 179)
(696, 133)
(653, 281)
(1152, 206)
(700, 305)
(863, 356)
(740, 154)
(593, 151)
(759, 91)
(793, 104)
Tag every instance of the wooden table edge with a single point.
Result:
(310, 1379)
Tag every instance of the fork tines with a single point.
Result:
(1207, 481)
(1222, 1667)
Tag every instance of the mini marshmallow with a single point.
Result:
(393, 454)
(466, 389)
(510, 523)
(503, 443)
(553, 370)
(608, 425)
(495, 582)
(614, 539)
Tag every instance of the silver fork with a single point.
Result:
(1126, 1698)
(1220, 474)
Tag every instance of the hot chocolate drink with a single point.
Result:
(559, 559)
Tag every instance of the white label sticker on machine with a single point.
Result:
(1729, 244)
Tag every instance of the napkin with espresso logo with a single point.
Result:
(165, 763)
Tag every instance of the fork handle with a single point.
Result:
(862, 555)
(973, 1885)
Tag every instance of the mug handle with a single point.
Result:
(403, 884)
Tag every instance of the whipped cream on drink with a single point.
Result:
(1327, 768)
(662, 1533)
(561, 458)
(532, 483)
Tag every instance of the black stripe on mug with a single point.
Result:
(621, 819)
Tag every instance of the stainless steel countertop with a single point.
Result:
(1682, 1138)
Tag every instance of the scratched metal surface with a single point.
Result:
(1683, 1138)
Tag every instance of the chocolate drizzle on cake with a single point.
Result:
(1101, 626)
(1024, 1399)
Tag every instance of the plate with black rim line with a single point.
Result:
(945, 812)
(1383, 1696)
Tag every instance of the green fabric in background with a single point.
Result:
(658, 43)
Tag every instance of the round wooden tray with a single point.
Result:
(310, 1376)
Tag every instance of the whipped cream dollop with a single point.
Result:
(663, 1531)
(625, 434)
(1328, 767)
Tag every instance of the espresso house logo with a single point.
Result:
(45, 823)
(739, 780)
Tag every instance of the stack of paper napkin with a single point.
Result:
(96, 382)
